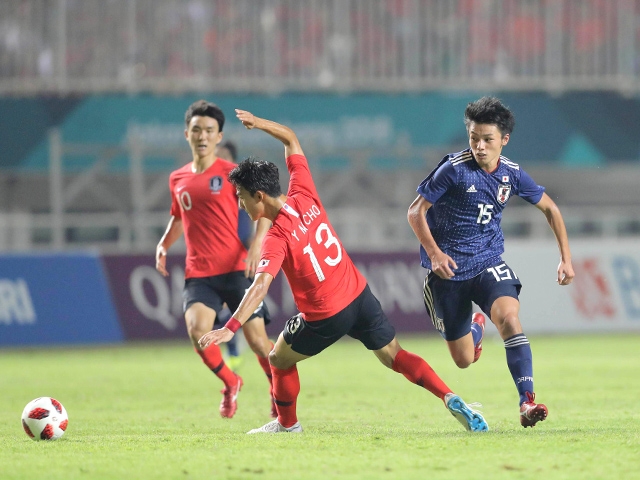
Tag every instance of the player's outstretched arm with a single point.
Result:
(249, 304)
(556, 222)
(281, 132)
(441, 263)
(171, 234)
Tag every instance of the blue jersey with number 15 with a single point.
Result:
(467, 209)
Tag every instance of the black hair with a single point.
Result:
(490, 111)
(202, 108)
(254, 174)
(231, 148)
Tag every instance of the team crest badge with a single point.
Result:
(215, 184)
(503, 193)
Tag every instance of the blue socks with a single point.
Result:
(476, 333)
(520, 363)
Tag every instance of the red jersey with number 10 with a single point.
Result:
(302, 242)
(207, 204)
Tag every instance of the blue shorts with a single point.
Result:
(214, 291)
(363, 319)
(448, 302)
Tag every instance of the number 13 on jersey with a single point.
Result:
(330, 241)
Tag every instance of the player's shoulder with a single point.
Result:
(281, 228)
(289, 216)
(460, 159)
(181, 172)
(508, 164)
(225, 165)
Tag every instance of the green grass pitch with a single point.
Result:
(151, 411)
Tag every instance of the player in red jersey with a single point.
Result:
(218, 266)
(331, 294)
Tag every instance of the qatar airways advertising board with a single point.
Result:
(83, 298)
(150, 306)
(605, 295)
(55, 299)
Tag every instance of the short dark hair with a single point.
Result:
(254, 174)
(202, 108)
(490, 111)
(231, 148)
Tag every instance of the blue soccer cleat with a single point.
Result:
(470, 419)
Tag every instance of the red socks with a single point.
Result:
(286, 386)
(266, 366)
(212, 358)
(419, 372)
(286, 383)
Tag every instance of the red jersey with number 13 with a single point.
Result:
(207, 204)
(302, 242)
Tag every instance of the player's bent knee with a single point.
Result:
(282, 362)
(508, 325)
(195, 337)
(276, 361)
(462, 361)
(387, 354)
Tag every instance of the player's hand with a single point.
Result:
(161, 260)
(443, 265)
(565, 273)
(247, 118)
(216, 337)
(252, 260)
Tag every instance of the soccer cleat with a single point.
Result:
(229, 403)
(470, 419)
(480, 320)
(274, 426)
(531, 412)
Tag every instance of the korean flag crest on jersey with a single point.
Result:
(503, 193)
(215, 184)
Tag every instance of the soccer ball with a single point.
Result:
(44, 419)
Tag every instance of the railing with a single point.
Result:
(360, 229)
(89, 46)
(126, 208)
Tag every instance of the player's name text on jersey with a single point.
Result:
(307, 218)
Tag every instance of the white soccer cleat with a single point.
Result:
(275, 427)
(469, 418)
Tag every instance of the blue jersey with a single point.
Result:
(467, 209)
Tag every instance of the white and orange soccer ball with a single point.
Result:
(44, 419)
